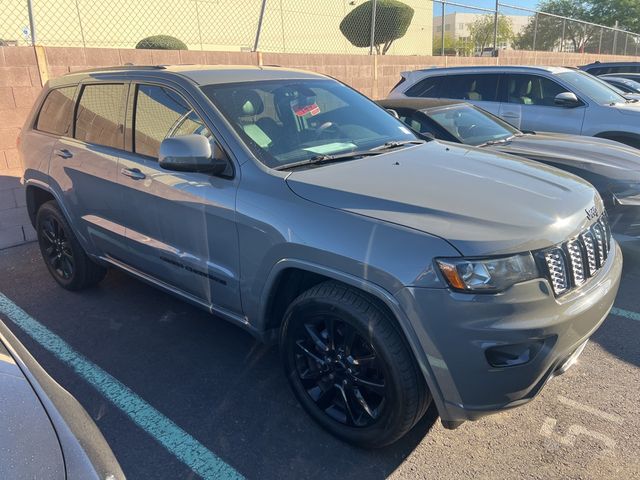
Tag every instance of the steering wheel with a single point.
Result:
(326, 127)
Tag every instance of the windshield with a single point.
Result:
(470, 125)
(288, 121)
(594, 88)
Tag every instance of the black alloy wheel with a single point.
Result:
(56, 248)
(340, 371)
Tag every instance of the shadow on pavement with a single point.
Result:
(211, 378)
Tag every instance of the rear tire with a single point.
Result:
(65, 259)
(350, 367)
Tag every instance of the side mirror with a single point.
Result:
(192, 153)
(393, 113)
(566, 99)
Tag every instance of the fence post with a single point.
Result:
(84, 44)
(535, 31)
(564, 25)
(199, 27)
(442, 6)
(372, 38)
(259, 29)
(495, 29)
(32, 23)
(615, 38)
(626, 39)
(600, 42)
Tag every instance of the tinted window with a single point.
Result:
(533, 90)
(162, 113)
(99, 117)
(472, 87)
(419, 122)
(470, 125)
(428, 88)
(286, 121)
(56, 112)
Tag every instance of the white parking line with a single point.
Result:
(611, 417)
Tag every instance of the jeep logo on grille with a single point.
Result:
(591, 212)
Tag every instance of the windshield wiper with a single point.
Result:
(496, 142)
(396, 144)
(324, 159)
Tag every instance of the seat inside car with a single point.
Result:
(247, 105)
(472, 94)
(520, 93)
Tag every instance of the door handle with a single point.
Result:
(134, 173)
(63, 153)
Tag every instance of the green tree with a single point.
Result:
(481, 31)
(392, 21)
(161, 42)
(548, 35)
(451, 46)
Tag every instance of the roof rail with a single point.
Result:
(123, 67)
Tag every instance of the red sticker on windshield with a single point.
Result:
(312, 109)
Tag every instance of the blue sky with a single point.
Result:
(485, 4)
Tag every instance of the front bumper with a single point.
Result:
(456, 330)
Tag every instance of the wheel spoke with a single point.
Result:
(310, 374)
(377, 388)
(364, 360)
(363, 403)
(309, 354)
(320, 344)
(48, 234)
(330, 325)
(351, 419)
(348, 338)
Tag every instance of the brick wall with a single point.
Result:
(20, 84)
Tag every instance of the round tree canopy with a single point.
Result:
(392, 21)
(162, 42)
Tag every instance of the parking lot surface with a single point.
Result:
(226, 392)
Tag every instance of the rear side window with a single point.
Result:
(162, 113)
(427, 88)
(482, 87)
(100, 118)
(56, 112)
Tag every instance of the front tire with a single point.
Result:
(63, 255)
(349, 366)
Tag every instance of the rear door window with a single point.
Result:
(100, 116)
(429, 87)
(475, 87)
(57, 111)
(162, 113)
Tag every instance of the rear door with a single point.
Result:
(180, 226)
(84, 167)
(530, 105)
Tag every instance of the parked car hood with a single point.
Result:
(612, 160)
(481, 202)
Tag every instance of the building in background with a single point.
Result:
(457, 24)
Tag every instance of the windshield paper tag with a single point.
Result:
(301, 111)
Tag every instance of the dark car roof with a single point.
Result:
(417, 103)
(610, 64)
(199, 74)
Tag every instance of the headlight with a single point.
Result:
(490, 274)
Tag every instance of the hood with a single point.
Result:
(628, 108)
(588, 157)
(481, 202)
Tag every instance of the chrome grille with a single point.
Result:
(576, 264)
(572, 263)
(557, 270)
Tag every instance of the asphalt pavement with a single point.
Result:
(226, 391)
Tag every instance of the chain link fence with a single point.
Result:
(391, 27)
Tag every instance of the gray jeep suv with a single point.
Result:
(393, 271)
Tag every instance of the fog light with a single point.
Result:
(512, 355)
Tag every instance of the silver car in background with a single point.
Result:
(543, 99)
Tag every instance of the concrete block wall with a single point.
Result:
(22, 75)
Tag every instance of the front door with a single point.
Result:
(530, 105)
(180, 225)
